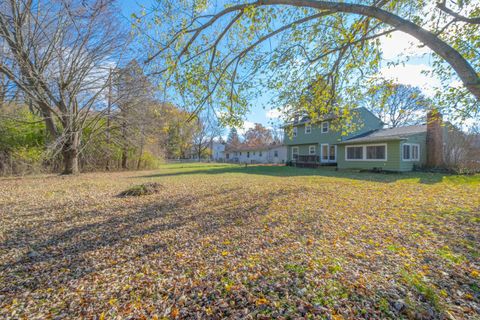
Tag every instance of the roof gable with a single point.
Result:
(362, 111)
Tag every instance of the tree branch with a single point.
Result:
(442, 6)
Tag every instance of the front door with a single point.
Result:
(328, 153)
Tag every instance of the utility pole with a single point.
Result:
(109, 110)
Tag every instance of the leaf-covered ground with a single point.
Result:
(222, 241)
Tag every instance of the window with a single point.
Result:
(295, 131)
(333, 153)
(227, 155)
(410, 152)
(311, 150)
(376, 152)
(248, 154)
(406, 152)
(308, 129)
(354, 153)
(324, 152)
(415, 152)
(260, 153)
(328, 153)
(325, 127)
(275, 153)
(294, 153)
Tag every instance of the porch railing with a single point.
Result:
(307, 158)
(310, 161)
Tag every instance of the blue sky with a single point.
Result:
(398, 46)
(257, 114)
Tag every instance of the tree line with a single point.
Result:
(133, 129)
(71, 101)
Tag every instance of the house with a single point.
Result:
(369, 146)
(397, 149)
(316, 143)
(217, 151)
(274, 153)
(211, 151)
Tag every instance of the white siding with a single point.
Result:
(259, 155)
(218, 151)
(281, 155)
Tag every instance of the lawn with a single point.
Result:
(230, 241)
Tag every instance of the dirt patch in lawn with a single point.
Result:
(143, 189)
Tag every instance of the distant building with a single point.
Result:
(218, 151)
(212, 151)
(274, 153)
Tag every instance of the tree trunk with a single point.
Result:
(124, 158)
(462, 67)
(70, 154)
(139, 163)
(124, 143)
(142, 144)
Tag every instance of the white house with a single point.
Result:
(218, 151)
(277, 154)
(257, 154)
(214, 148)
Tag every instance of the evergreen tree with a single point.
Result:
(233, 138)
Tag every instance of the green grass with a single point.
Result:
(284, 171)
(448, 254)
(418, 282)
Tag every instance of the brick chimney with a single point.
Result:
(434, 139)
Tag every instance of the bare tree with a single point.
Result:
(396, 104)
(134, 96)
(59, 53)
(278, 133)
(207, 129)
(5, 88)
(8, 90)
(456, 146)
(462, 149)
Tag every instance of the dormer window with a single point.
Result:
(325, 127)
(294, 131)
(308, 129)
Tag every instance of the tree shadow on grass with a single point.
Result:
(71, 249)
(285, 171)
(134, 236)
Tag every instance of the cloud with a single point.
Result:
(246, 125)
(279, 113)
(273, 114)
(411, 74)
(401, 44)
